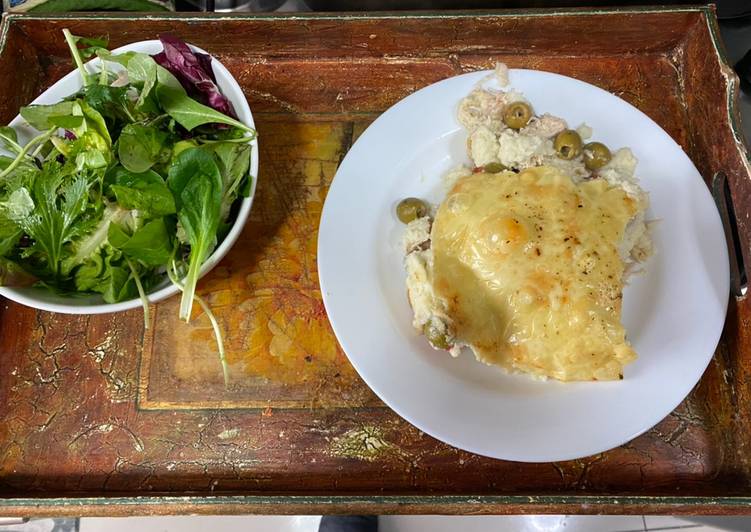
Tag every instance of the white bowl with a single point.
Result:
(44, 299)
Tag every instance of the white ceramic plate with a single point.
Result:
(674, 313)
(94, 304)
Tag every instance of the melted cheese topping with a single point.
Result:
(528, 268)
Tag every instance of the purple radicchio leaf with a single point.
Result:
(205, 61)
(69, 135)
(194, 72)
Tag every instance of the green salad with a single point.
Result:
(131, 182)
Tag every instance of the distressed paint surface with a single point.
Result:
(365, 443)
(91, 406)
(265, 293)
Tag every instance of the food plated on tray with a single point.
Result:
(525, 258)
(529, 241)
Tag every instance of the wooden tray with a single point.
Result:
(99, 417)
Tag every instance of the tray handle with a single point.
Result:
(724, 202)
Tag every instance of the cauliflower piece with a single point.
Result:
(482, 146)
(419, 288)
(521, 151)
(620, 172)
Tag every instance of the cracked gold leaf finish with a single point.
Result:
(97, 417)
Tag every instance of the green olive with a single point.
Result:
(596, 155)
(410, 209)
(567, 144)
(493, 168)
(436, 337)
(516, 115)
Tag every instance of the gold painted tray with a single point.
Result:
(100, 417)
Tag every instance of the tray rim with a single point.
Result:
(373, 505)
(707, 8)
(380, 504)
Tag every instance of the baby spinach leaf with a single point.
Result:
(147, 192)
(185, 110)
(94, 121)
(38, 115)
(66, 122)
(116, 236)
(149, 245)
(194, 177)
(189, 162)
(140, 147)
(118, 285)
